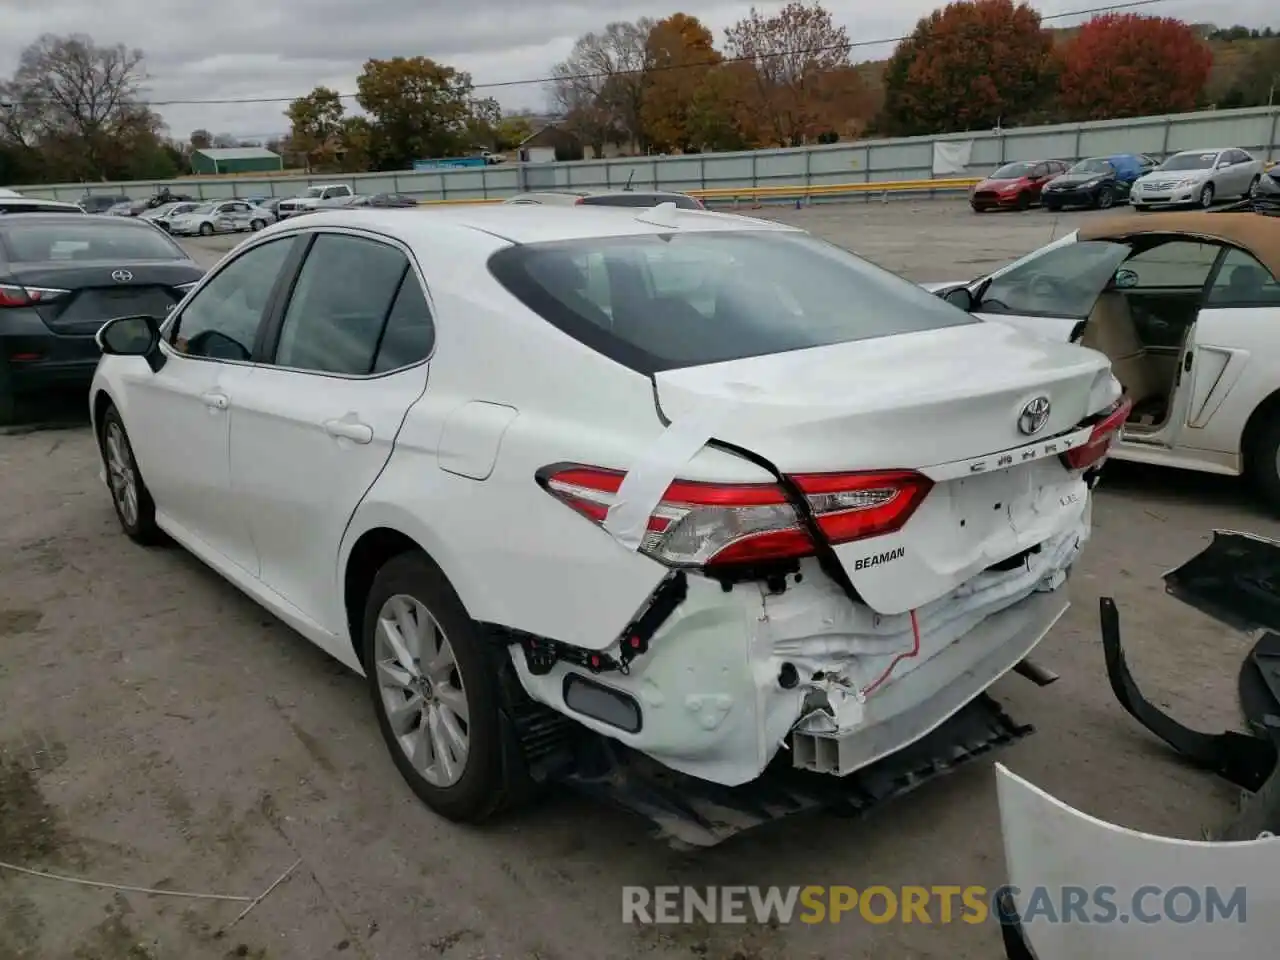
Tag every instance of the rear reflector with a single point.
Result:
(716, 525)
(1104, 433)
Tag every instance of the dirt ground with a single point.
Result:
(159, 730)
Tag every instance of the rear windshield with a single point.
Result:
(642, 200)
(86, 239)
(658, 302)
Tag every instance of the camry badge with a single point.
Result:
(121, 276)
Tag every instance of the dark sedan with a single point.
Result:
(1098, 182)
(61, 277)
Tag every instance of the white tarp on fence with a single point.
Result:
(951, 157)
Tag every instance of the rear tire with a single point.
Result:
(1263, 462)
(1024, 201)
(129, 494)
(427, 623)
(1051, 206)
(206, 230)
(1104, 198)
(256, 225)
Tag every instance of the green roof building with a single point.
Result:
(215, 160)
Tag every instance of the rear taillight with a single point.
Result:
(714, 525)
(579, 201)
(15, 296)
(1100, 438)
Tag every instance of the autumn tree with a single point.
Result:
(722, 114)
(680, 53)
(1258, 78)
(968, 66)
(418, 109)
(511, 131)
(200, 139)
(1127, 65)
(802, 84)
(80, 101)
(315, 125)
(600, 85)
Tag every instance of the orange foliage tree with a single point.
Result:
(802, 82)
(680, 55)
(1126, 65)
(967, 66)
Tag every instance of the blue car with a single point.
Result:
(1098, 182)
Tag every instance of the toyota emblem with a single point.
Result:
(1034, 416)
(121, 276)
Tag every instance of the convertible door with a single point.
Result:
(1052, 294)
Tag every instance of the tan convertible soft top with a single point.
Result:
(1258, 234)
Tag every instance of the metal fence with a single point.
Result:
(867, 161)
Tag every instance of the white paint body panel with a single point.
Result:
(1051, 845)
(275, 490)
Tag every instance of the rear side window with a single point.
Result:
(357, 309)
(1243, 282)
(79, 238)
(658, 302)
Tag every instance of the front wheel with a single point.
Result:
(1253, 185)
(435, 689)
(206, 229)
(129, 494)
(256, 225)
(1024, 201)
(1206, 196)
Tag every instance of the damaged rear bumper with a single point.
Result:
(730, 676)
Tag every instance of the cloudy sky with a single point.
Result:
(256, 49)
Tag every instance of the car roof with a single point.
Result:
(1256, 234)
(61, 217)
(533, 223)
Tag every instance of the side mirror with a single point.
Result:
(960, 297)
(137, 336)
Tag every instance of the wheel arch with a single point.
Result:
(101, 400)
(1263, 413)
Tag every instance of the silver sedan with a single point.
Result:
(1200, 177)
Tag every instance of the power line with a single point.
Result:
(501, 84)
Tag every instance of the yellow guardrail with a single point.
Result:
(798, 191)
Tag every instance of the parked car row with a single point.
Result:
(1189, 178)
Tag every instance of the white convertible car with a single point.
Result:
(1187, 307)
(698, 483)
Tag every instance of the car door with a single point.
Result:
(1052, 293)
(179, 416)
(1233, 360)
(238, 213)
(315, 427)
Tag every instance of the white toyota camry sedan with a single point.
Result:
(699, 483)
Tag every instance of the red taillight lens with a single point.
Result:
(15, 296)
(1100, 439)
(713, 525)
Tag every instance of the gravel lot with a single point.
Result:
(159, 730)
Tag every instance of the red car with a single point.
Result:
(1015, 185)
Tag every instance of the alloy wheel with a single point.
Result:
(421, 690)
(121, 474)
(1206, 196)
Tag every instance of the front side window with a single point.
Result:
(221, 321)
(340, 306)
(1063, 282)
(1178, 264)
(661, 301)
(1243, 282)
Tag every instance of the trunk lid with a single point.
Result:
(96, 296)
(945, 402)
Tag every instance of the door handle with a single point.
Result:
(349, 430)
(215, 400)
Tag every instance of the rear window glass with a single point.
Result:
(86, 239)
(658, 302)
(642, 200)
